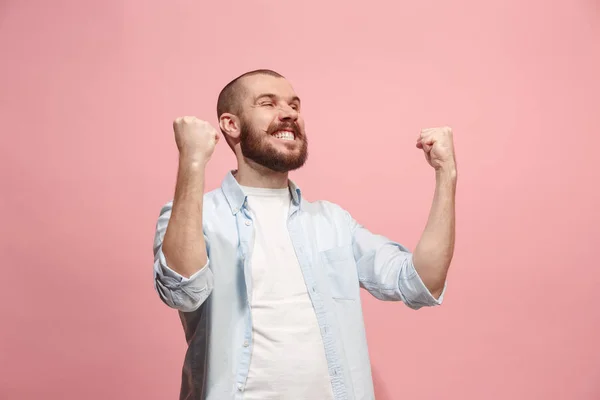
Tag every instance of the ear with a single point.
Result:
(230, 125)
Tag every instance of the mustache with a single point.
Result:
(286, 126)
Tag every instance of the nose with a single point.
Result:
(287, 113)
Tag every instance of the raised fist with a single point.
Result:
(195, 138)
(438, 146)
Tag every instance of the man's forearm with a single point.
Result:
(183, 245)
(435, 249)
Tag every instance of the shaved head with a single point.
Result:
(233, 93)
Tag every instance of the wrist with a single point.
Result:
(446, 172)
(192, 160)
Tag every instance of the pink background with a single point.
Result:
(88, 91)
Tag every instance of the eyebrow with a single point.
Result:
(273, 97)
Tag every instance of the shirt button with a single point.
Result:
(248, 222)
(235, 210)
(246, 344)
(240, 387)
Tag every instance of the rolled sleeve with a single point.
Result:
(414, 292)
(386, 269)
(175, 290)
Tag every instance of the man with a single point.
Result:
(267, 283)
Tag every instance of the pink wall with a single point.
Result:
(88, 91)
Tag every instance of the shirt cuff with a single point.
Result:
(416, 293)
(172, 274)
(179, 292)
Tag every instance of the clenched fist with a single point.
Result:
(195, 138)
(438, 146)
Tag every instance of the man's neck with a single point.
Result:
(254, 175)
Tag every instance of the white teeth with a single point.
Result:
(284, 135)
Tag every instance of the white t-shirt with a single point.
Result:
(288, 358)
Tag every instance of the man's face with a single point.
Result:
(271, 126)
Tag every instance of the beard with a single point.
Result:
(258, 146)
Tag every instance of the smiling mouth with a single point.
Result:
(284, 135)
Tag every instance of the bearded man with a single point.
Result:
(267, 284)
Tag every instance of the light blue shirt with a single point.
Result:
(337, 256)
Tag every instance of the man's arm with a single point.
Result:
(184, 246)
(182, 277)
(387, 269)
(434, 251)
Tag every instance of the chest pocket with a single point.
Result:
(342, 276)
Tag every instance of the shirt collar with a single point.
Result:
(237, 198)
